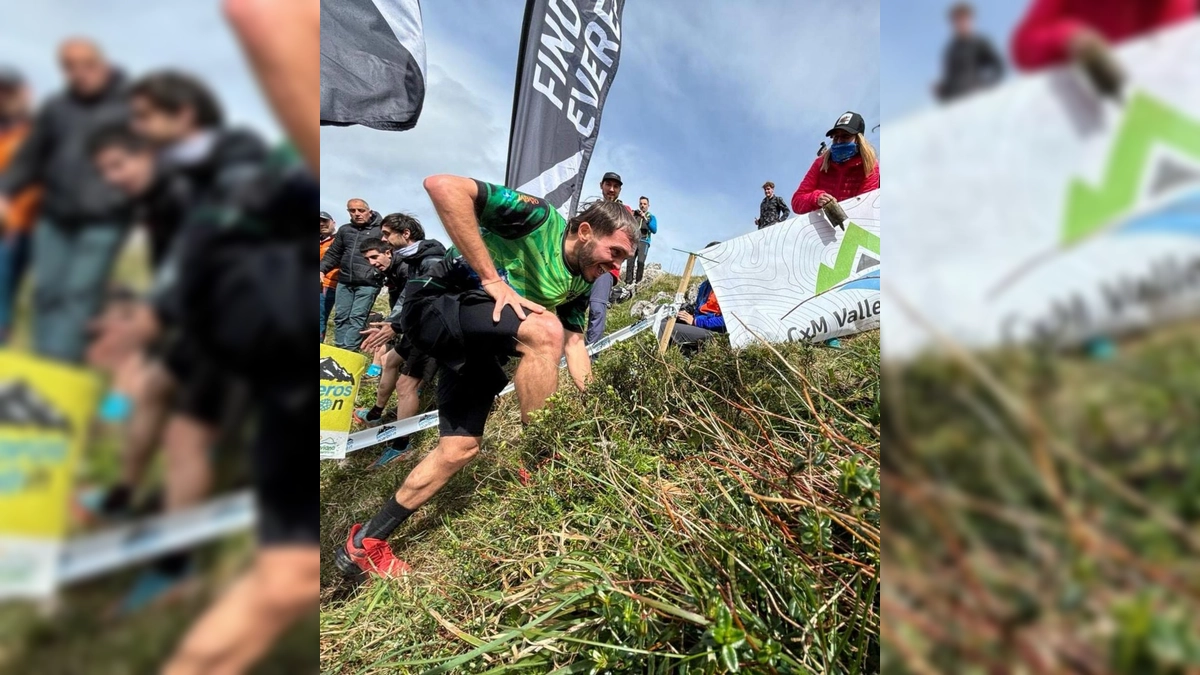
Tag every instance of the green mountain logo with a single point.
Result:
(856, 237)
(1147, 122)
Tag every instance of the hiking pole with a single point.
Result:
(683, 284)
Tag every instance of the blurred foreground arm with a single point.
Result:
(579, 364)
(282, 39)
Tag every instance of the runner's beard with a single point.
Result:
(587, 261)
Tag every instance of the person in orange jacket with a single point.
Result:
(15, 124)
(329, 283)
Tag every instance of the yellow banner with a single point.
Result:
(341, 375)
(46, 409)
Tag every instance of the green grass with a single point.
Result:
(706, 515)
(1042, 511)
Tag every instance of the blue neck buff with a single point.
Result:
(841, 152)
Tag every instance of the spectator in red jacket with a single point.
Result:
(1053, 31)
(848, 169)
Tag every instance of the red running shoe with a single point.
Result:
(374, 557)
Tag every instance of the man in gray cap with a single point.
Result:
(83, 219)
(329, 282)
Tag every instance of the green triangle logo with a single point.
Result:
(1147, 122)
(828, 277)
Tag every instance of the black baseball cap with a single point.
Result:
(325, 216)
(613, 177)
(10, 77)
(851, 122)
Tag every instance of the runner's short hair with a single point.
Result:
(374, 244)
(768, 184)
(173, 91)
(401, 222)
(605, 217)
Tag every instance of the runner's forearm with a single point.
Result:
(281, 39)
(454, 199)
(578, 362)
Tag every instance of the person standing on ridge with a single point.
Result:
(970, 62)
(773, 209)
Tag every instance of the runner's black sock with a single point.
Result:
(390, 517)
(374, 413)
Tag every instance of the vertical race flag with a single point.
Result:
(569, 55)
(372, 63)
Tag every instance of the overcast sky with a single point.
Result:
(138, 36)
(710, 100)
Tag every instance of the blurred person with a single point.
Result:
(358, 282)
(773, 209)
(329, 285)
(83, 221)
(970, 62)
(15, 125)
(1053, 31)
(702, 323)
(196, 159)
(514, 259)
(647, 227)
(406, 369)
(599, 300)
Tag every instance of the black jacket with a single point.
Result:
(234, 157)
(970, 64)
(55, 156)
(421, 263)
(344, 253)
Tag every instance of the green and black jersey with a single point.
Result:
(525, 237)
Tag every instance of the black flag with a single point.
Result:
(569, 56)
(372, 63)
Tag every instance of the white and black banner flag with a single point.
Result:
(372, 63)
(568, 59)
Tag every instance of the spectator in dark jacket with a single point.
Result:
(83, 220)
(970, 62)
(358, 282)
(772, 209)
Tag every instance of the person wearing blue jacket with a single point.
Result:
(702, 323)
(647, 225)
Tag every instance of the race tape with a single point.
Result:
(92, 555)
(411, 425)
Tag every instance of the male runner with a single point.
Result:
(514, 258)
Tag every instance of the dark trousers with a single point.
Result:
(639, 256)
(598, 307)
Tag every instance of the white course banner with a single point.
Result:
(1042, 212)
(802, 279)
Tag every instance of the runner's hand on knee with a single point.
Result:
(505, 296)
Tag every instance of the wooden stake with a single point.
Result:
(683, 284)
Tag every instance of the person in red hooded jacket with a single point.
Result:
(1053, 31)
(847, 169)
